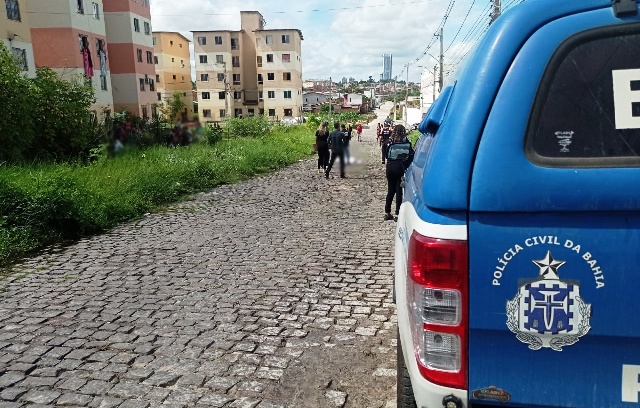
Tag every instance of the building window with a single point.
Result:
(238, 112)
(234, 44)
(235, 62)
(218, 40)
(149, 57)
(237, 95)
(157, 78)
(260, 82)
(144, 4)
(261, 112)
(219, 59)
(154, 41)
(287, 95)
(251, 112)
(152, 85)
(174, 77)
(20, 57)
(96, 11)
(159, 96)
(288, 112)
(204, 77)
(286, 76)
(285, 39)
(155, 59)
(236, 79)
(206, 95)
(269, 39)
(271, 76)
(80, 4)
(139, 53)
(260, 96)
(13, 10)
(259, 60)
(221, 95)
(272, 112)
(203, 59)
(222, 113)
(202, 40)
(147, 28)
(142, 84)
(171, 43)
(154, 111)
(269, 57)
(206, 113)
(180, 45)
(220, 77)
(173, 60)
(145, 114)
(271, 94)
(286, 57)
(136, 25)
(103, 82)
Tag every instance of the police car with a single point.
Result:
(517, 260)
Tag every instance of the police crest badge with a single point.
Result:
(548, 312)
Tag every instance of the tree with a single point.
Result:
(174, 107)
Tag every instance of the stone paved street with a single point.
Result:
(274, 292)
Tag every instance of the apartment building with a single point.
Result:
(172, 59)
(253, 71)
(133, 74)
(16, 35)
(69, 37)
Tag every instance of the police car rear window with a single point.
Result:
(587, 110)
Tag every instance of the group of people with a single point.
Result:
(397, 154)
(336, 142)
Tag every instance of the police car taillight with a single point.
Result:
(438, 302)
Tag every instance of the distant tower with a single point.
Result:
(386, 66)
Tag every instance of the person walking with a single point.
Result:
(322, 144)
(359, 132)
(399, 157)
(385, 139)
(336, 139)
(347, 139)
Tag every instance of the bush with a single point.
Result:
(254, 127)
(213, 133)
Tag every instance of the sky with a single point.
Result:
(346, 38)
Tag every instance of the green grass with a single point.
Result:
(47, 203)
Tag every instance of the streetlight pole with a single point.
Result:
(226, 92)
(394, 97)
(330, 92)
(405, 115)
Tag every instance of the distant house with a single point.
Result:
(311, 101)
(355, 102)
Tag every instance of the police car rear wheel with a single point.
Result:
(405, 391)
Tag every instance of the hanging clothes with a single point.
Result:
(103, 63)
(88, 65)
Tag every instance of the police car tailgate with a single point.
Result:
(554, 223)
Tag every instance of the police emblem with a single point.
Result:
(548, 312)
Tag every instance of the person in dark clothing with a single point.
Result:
(399, 157)
(336, 139)
(322, 143)
(385, 139)
(347, 139)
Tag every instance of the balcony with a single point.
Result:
(251, 96)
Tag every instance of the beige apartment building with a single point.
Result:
(16, 35)
(172, 59)
(253, 71)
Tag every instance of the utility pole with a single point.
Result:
(442, 59)
(435, 69)
(394, 97)
(406, 96)
(226, 91)
(330, 95)
(495, 13)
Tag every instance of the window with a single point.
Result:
(204, 77)
(222, 113)
(288, 112)
(206, 95)
(20, 57)
(236, 79)
(219, 59)
(147, 28)
(103, 82)
(152, 85)
(154, 111)
(259, 60)
(258, 42)
(203, 59)
(238, 112)
(237, 95)
(173, 60)
(139, 53)
(155, 59)
(206, 113)
(260, 79)
(174, 77)
(269, 57)
(220, 77)
(145, 3)
(261, 112)
(286, 76)
(96, 11)
(202, 40)
(287, 94)
(221, 95)
(271, 76)
(234, 44)
(80, 5)
(145, 113)
(285, 39)
(157, 78)
(250, 112)
(260, 96)
(159, 96)
(149, 57)
(235, 62)
(142, 84)
(136, 25)
(269, 39)
(218, 40)
(180, 45)
(286, 57)
(154, 41)
(271, 94)
(272, 112)
(13, 10)
(171, 43)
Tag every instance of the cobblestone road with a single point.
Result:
(275, 292)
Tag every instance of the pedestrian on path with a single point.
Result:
(399, 157)
(322, 144)
(347, 139)
(336, 139)
(359, 132)
(385, 139)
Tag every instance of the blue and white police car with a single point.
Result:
(518, 244)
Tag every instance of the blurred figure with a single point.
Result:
(399, 157)
(322, 143)
(336, 139)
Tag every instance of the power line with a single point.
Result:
(460, 28)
